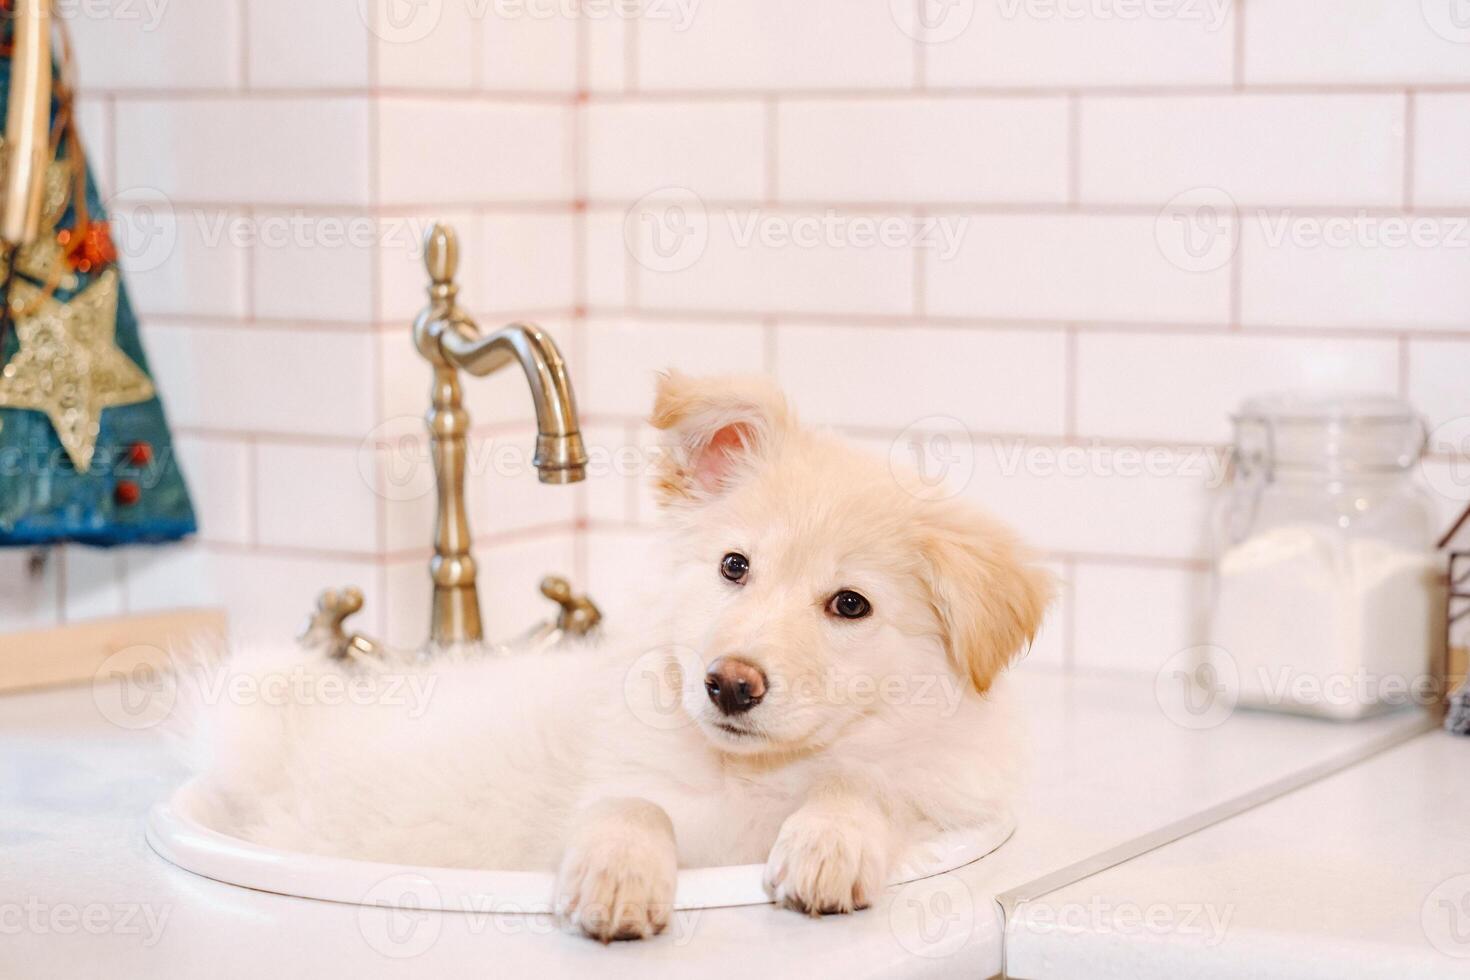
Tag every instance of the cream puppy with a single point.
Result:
(820, 693)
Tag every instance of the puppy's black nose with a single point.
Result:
(734, 685)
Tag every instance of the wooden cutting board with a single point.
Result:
(72, 654)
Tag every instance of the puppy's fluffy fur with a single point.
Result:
(614, 765)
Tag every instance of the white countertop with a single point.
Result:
(78, 883)
(1365, 873)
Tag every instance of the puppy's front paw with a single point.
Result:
(617, 885)
(824, 863)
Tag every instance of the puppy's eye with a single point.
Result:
(735, 566)
(849, 605)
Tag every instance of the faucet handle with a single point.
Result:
(579, 614)
(441, 253)
(325, 627)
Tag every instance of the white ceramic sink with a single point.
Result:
(179, 836)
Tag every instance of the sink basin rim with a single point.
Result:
(179, 837)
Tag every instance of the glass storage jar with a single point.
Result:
(1326, 591)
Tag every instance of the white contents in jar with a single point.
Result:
(1326, 623)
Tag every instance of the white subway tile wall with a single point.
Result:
(240, 150)
(1441, 145)
(443, 150)
(631, 149)
(889, 377)
(686, 46)
(1183, 386)
(198, 45)
(1363, 42)
(1288, 150)
(1066, 238)
(1034, 43)
(930, 148)
(290, 45)
(440, 54)
(525, 50)
(1071, 266)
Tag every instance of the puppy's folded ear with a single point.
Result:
(720, 426)
(989, 597)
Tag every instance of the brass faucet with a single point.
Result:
(451, 341)
(27, 123)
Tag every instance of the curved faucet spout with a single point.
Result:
(560, 455)
(451, 342)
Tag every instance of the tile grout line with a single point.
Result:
(1221, 90)
(243, 22)
(630, 55)
(1410, 125)
(868, 320)
(854, 319)
(250, 259)
(920, 268)
(1060, 205)
(771, 156)
(252, 489)
(1070, 369)
(1237, 51)
(1074, 151)
(479, 51)
(519, 535)
(921, 53)
(1236, 284)
(582, 41)
(525, 429)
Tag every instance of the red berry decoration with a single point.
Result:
(88, 247)
(126, 493)
(140, 454)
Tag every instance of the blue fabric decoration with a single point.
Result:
(131, 489)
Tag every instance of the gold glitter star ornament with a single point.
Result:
(69, 365)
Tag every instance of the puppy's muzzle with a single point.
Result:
(734, 686)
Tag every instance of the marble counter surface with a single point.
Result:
(1363, 874)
